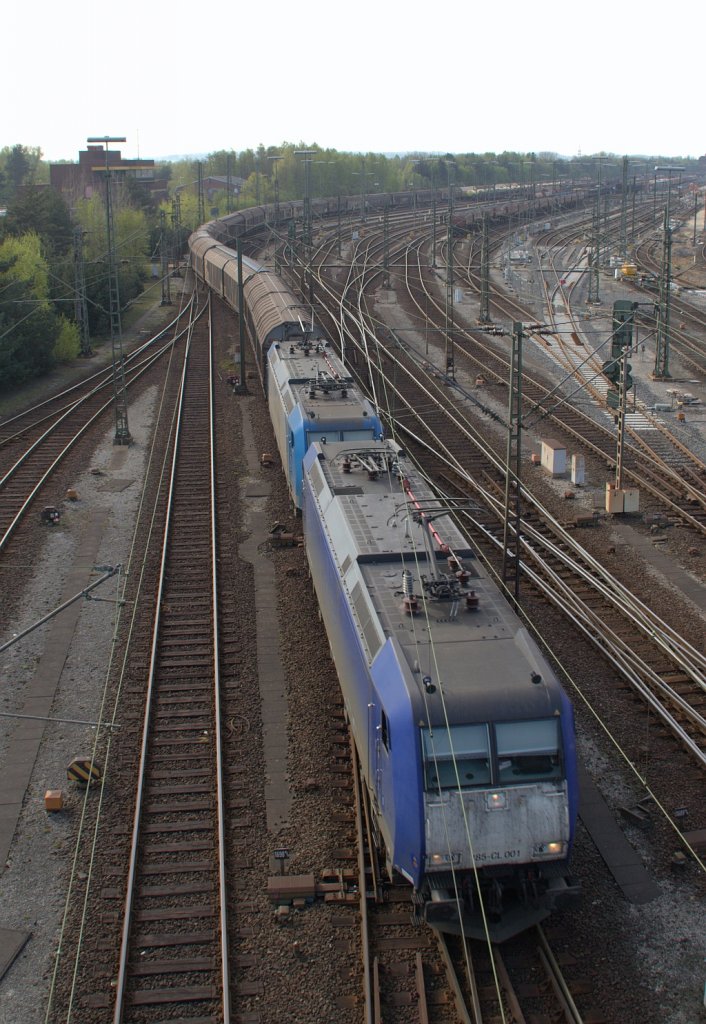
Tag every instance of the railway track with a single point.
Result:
(657, 462)
(174, 948)
(562, 339)
(654, 460)
(35, 442)
(162, 842)
(522, 981)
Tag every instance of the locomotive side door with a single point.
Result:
(381, 755)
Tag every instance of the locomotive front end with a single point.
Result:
(497, 826)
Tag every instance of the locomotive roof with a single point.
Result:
(318, 381)
(305, 361)
(483, 659)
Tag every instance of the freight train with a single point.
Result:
(497, 206)
(464, 734)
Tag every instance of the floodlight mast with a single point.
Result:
(122, 432)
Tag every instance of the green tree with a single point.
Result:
(29, 327)
(20, 166)
(68, 342)
(43, 212)
(26, 262)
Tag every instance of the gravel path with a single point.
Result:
(33, 883)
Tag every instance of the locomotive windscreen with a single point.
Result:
(505, 754)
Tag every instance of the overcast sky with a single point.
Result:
(181, 78)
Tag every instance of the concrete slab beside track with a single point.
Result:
(12, 942)
(664, 563)
(269, 665)
(620, 857)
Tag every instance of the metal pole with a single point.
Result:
(241, 316)
(122, 432)
(164, 261)
(339, 225)
(484, 313)
(654, 199)
(624, 211)
(306, 217)
(661, 368)
(433, 220)
(80, 306)
(201, 196)
(696, 210)
(513, 461)
(275, 160)
(177, 227)
(450, 370)
(276, 199)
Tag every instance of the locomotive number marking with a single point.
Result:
(483, 858)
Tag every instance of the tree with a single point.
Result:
(16, 166)
(29, 327)
(21, 166)
(43, 212)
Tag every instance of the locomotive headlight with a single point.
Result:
(496, 801)
(554, 849)
(434, 860)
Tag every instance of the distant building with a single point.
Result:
(219, 183)
(80, 180)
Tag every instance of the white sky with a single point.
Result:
(178, 78)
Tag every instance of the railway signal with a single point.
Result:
(623, 319)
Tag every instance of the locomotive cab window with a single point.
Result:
(528, 751)
(459, 755)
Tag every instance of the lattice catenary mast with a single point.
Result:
(122, 432)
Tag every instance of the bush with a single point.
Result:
(68, 342)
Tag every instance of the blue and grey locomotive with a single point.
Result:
(465, 736)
